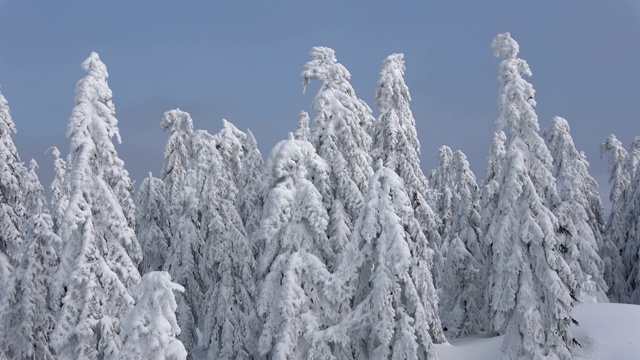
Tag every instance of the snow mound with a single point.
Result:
(605, 331)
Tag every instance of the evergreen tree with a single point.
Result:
(230, 144)
(490, 188)
(466, 223)
(396, 144)
(190, 227)
(488, 204)
(581, 233)
(228, 317)
(28, 313)
(442, 183)
(303, 132)
(182, 263)
(460, 308)
(341, 136)
(616, 268)
(395, 139)
(149, 331)
(292, 302)
(59, 189)
(12, 212)
(395, 314)
(187, 164)
(613, 272)
(619, 180)
(152, 226)
(630, 251)
(461, 290)
(633, 157)
(99, 259)
(242, 165)
(176, 153)
(529, 300)
(250, 197)
(203, 162)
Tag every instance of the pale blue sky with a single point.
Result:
(241, 60)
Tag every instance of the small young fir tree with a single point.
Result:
(395, 313)
(150, 329)
(292, 301)
(152, 225)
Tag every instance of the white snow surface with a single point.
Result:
(606, 331)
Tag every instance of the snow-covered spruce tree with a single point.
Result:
(619, 180)
(12, 213)
(633, 157)
(242, 165)
(182, 262)
(490, 189)
(395, 313)
(187, 243)
(395, 138)
(98, 263)
(592, 202)
(529, 300)
(208, 157)
(632, 223)
(303, 132)
(228, 318)
(631, 247)
(250, 198)
(460, 302)
(59, 189)
(292, 302)
(187, 163)
(341, 135)
(149, 330)
(615, 267)
(489, 198)
(203, 160)
(152, 227)
(176, 153)
(230, 144)
(443, 186)
(466, 223)
(581, 230)
(462, 297)
(395, 142)
(613, 271)
(28, 314)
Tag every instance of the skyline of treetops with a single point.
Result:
(335, 246)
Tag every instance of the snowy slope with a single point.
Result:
(606, 332)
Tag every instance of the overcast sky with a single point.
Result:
(241, 61)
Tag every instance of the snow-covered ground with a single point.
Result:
(606, 332)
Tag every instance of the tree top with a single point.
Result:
(505, 46)
(394, 62)
(323, 66)
(95, 67)
(176, 120)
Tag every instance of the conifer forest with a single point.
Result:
(335, 245)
